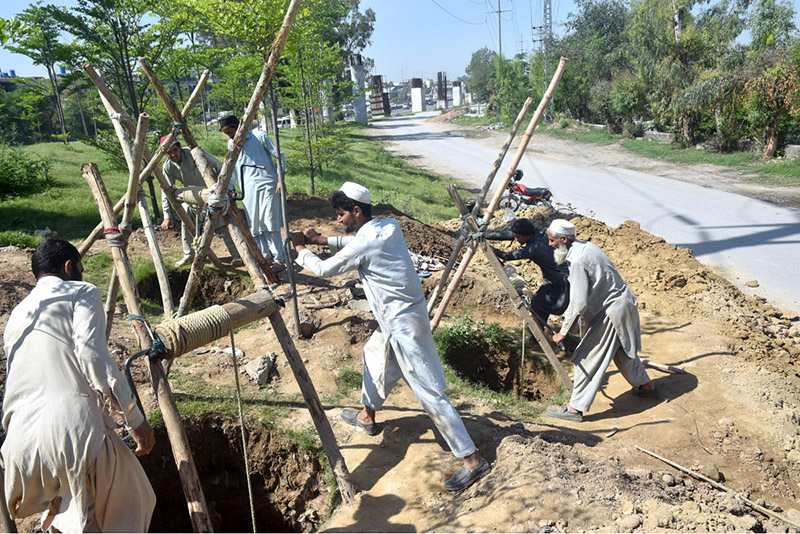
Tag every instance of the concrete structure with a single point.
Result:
(378, 99)
(359, 98)
(417, 96)
(458, 95)
(441, 91)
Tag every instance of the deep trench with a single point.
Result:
(214, 289)
(286, 479)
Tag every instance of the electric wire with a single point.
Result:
(455, 16)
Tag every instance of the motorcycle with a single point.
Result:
(519, 196)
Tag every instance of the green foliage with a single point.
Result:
(348, 379)
(510, 86)
(465, 333)
(107, 142)
(21, 174)
(480, 72)
(19, 239)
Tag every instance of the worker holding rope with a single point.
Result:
(402, 347)
(61, 454)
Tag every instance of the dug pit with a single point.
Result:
(289, 489)
(215, 288)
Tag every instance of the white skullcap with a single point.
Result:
(356, 192)
(561, 227)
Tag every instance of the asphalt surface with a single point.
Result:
(742, 238)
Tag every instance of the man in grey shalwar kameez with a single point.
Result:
(262, 191)
(61, 455)
(402, 347)
(606, 311)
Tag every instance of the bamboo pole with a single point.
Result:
(247, 248)
(321, 422)
(479, 202)
(113, 107)
(548, 95)
(767, 512)
(513, 295)
(198, 510)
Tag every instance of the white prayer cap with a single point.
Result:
(356, 192)
(561, 227)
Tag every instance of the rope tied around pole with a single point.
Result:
(480, 235)
(114, 237)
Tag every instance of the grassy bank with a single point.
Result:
(69, 208)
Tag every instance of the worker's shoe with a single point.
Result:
(186, 260)
(237, 262)
(561, 412)
(465, 478)
(278, 267)
(351, 418)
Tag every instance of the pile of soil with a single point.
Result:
(733, 416)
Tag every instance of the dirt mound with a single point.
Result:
(448, 116)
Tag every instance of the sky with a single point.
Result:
(413, 38)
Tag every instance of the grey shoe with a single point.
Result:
(464, 478)
(561, 412)
(186, 260)
(351, 418)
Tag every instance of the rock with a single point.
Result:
(734, 505)
(9, 248)
(711, 471)
(360, 305)
(726, 421)
(793, 515)
(751, 283)
(638, 472)
(630, 522)
(690, 507)
(746, 523)
(628, 508)
(239, 352)
(664, 518)
(668, 480)
(260, 369)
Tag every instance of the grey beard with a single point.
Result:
(560, 254)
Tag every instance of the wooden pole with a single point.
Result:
(113, 107)
(548, 95)
(198, 510)
(479, 202)
(513, 295)
(321, 422)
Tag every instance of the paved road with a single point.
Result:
(740, 237)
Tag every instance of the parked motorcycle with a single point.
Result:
(519, 196)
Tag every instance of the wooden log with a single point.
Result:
(158, 259)
(321, 422)
(192, 331)
(674, 369)
(479, 202)
(111, 300)
(113, 106)
(198, 510)
(548, 95)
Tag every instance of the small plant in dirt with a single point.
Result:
(19, 239)
(22, 175)
(348, 380)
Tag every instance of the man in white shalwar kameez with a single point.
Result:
(61, 455)
(262, 189)
(402, 347)
(606, 311)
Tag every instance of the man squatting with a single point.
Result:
(61, 455)
(402, 346)
(606, 311)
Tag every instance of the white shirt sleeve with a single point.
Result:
(91, 352)
(578, 297)
(347, 259)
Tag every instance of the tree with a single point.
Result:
(771, 23)
(510, 85)
(40, 43)
(10, 29)
(116, 33)
(479, 72)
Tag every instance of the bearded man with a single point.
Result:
(61, 455)
(606, 311)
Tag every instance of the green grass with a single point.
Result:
(667, 152)
(19, 239)
(775, 172)
(68, 207)
(596, 136)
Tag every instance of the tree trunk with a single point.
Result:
(305, 112)
(80, 109)
(771, 139)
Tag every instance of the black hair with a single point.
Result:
(229, 120)
(523, 227)
(340, 200)
(51, 255)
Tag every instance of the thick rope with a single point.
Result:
(194, 330)
(114, 237)
(241, 426)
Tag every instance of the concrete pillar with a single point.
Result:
(359, 98)
(457, 94)
(441, 91)
(417, 95)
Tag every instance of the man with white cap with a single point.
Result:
(402, 346)
(606, 311)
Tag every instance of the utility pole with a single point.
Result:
(499, 29)
(545, 33)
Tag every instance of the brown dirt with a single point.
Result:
(734, 415)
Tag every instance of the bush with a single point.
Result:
(21, 175)
(19, 239)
